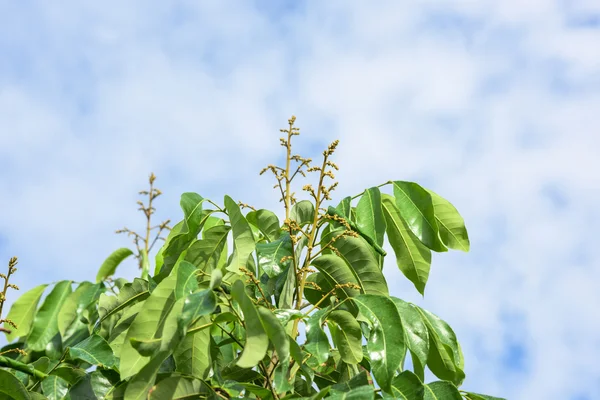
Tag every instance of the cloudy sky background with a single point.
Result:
(494, 105)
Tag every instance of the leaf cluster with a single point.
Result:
(244, 305)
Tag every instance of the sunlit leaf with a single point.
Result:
(303, 212)
(45, 322)
(109, 266)
(54, 387)
(94, 350)
(359, 393)
(317, 342)
(441, 390)
(22, 312)
(412, 257)
(130, 294)
(369, 215)
(257, 341)
(452, 226)
(386, 346)
(267, 223)
(407, 386)
(192, 355)
(176, 387)
(243, 238)
(11, 387)
(186, 280)
(207, 252)
(477, 396)
(270, 255)
(416, 333)
(347, 335)
(416, 208)
(276, 333)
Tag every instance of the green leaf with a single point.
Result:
(416, 334)
(452, 226)
(130, 294)
(149, 323)
(369, 215)
(243, 238)
(45, 323)
(317, 343)
(357, 381)
(445, 357)
(54, 387)
(95, 385)
(186, 280)
(337, 272)
(344, 208)
(267, 223)
(176, 387)
(386, 346)
(279, 338)
(206, 253)
(73, 307)
(441, 390)
(303, 212)
(194, 218)
(413, 258)
(22, 313)
(216, 276)
(347, 335)
(12, 387)
(477, 396)
(271, 254)
(94, 350)
(257, 341)
(407, 386)
(109, 266)
(359, 393)
(159, 258)
(146, 348)
(145, 264)
(197, 304)
(362, 263)
(286, 296)
(416, 208)
(192, 356)
(314, 295)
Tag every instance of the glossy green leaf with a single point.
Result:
(12, 387)
(194, 218)
(416, 334)
(445, 357)
(336, 271)
(278, 336)
(317, 342)
(94, 350)
(145, 264)
(206, 254)
(314, 295)
(359, 393)
(267, 223)
(362, 263)
(477, 396)
(45, 322)
(186, 280)
(95, 385)
(416, 208)
(386, 346)
(197, 304)
(441, 390)
(271, 254)
(216, 277)
(192, 355)
(407, 386)
(22, 312)
(130, 294)
(54, 387)
(257, 341)
(369, 215)
(149, 323)
(176, 387)
(73, 307)
(159, 258)
(303, 212)
(146, 348)
(413, 258)
(346, 335)
(109, 266)
(344, 207)
(243, 238)
(452, 226)
(286, 296)
(69, 373)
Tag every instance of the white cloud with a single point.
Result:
(490, 104)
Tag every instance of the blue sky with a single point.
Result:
(494, 105)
